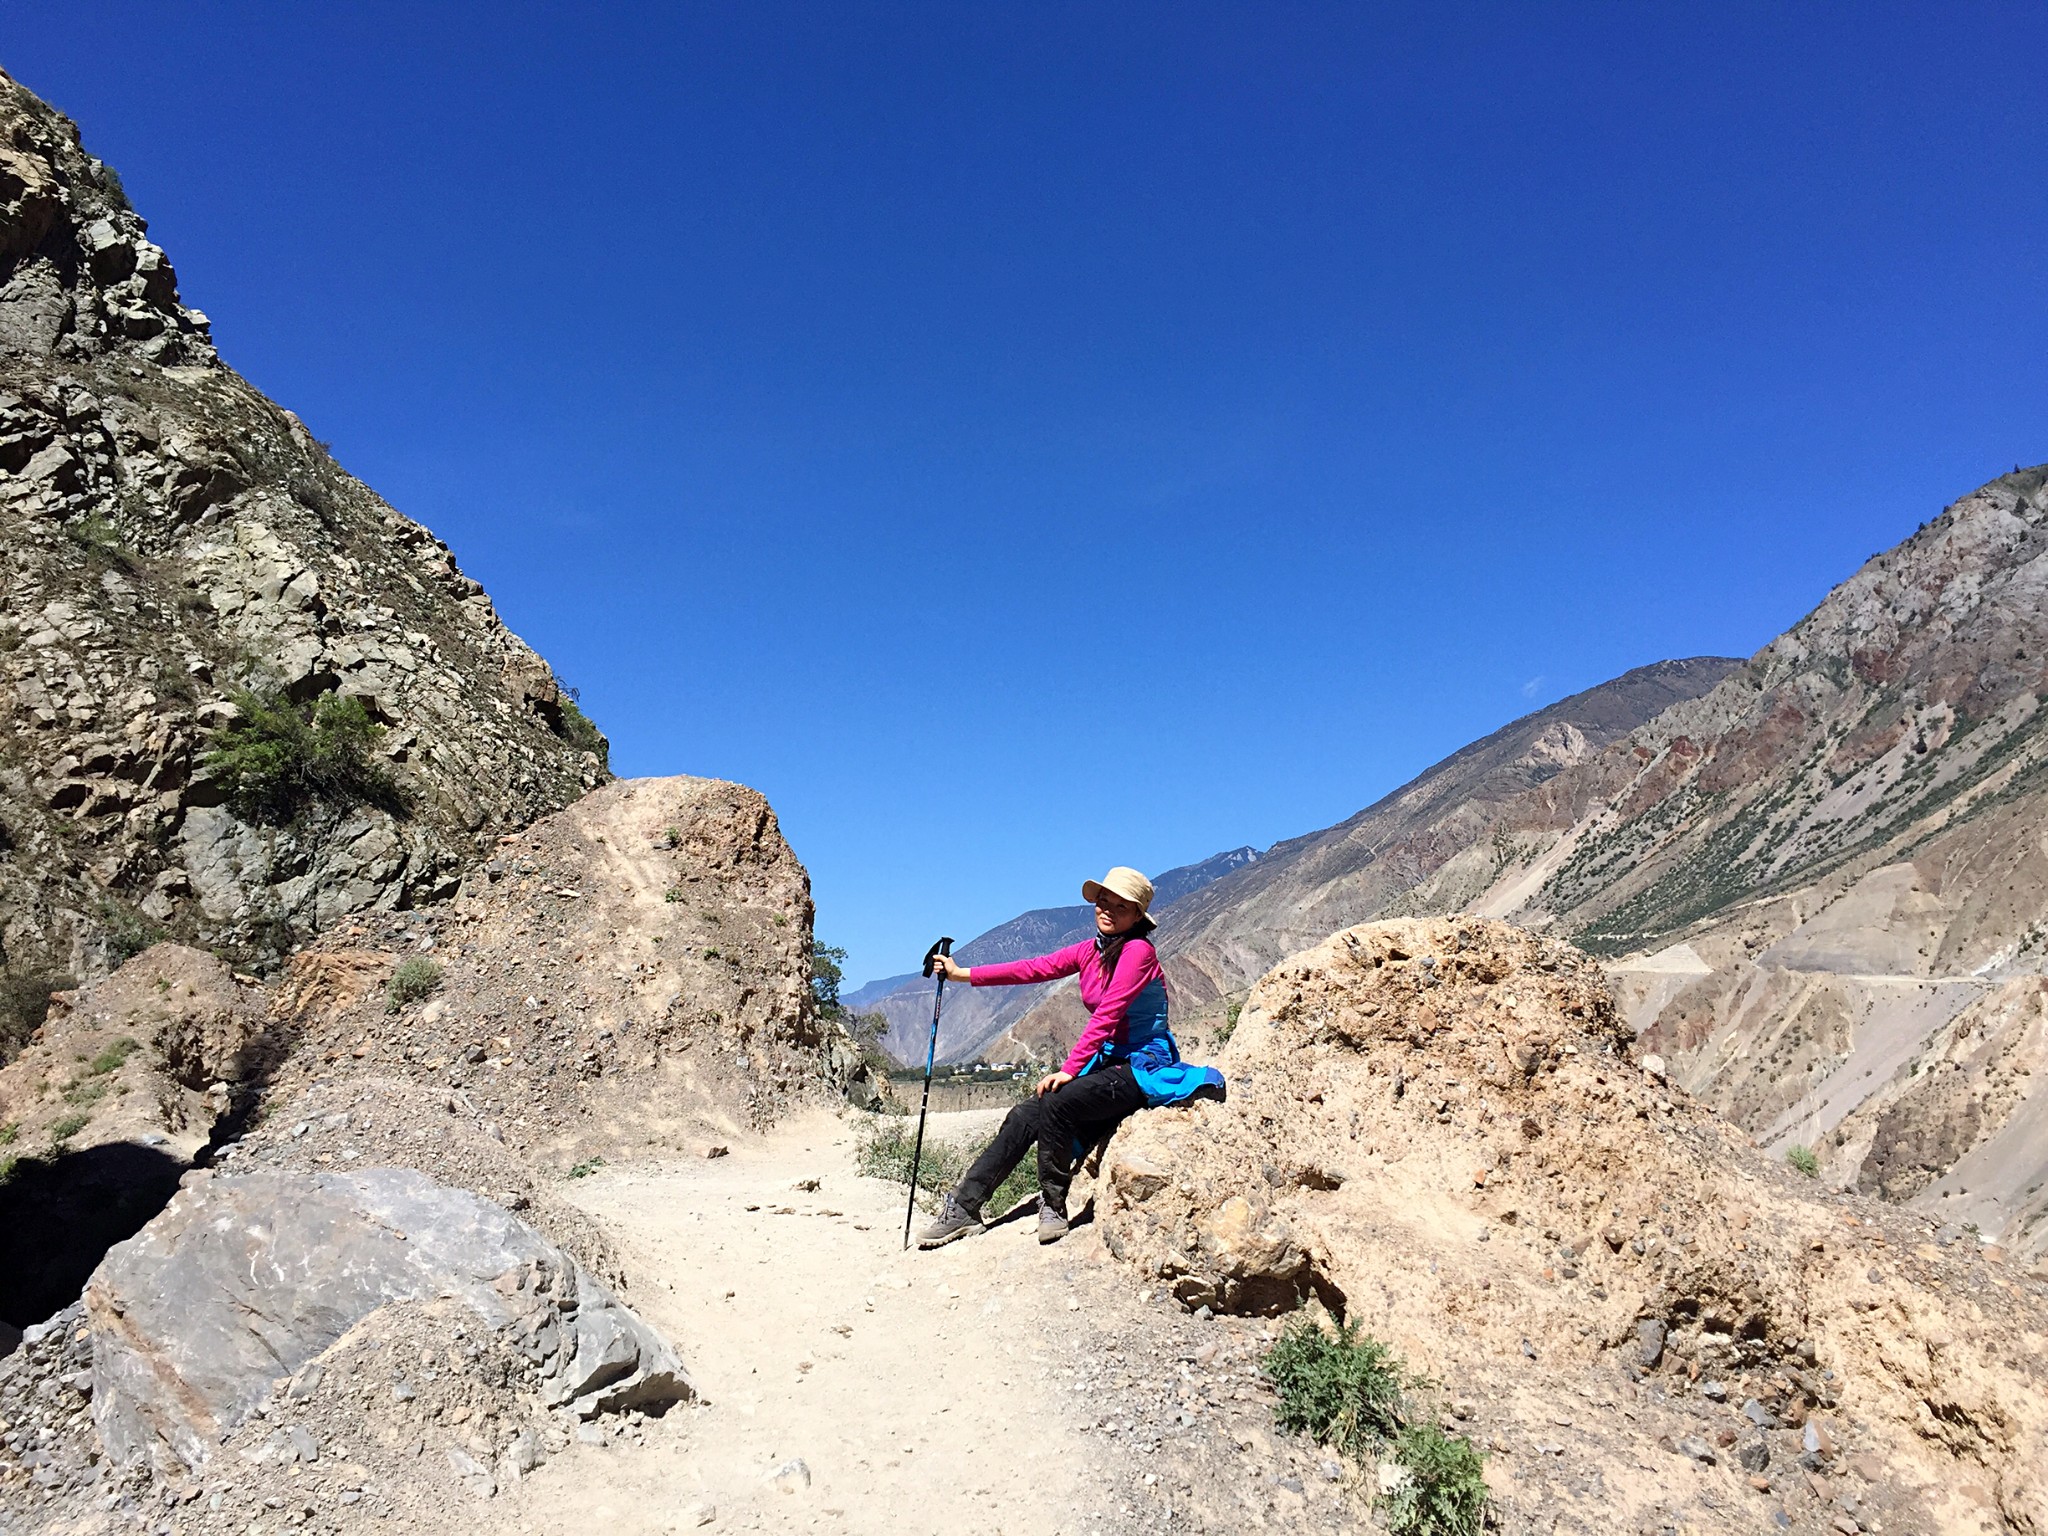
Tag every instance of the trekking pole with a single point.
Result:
(931, 1051)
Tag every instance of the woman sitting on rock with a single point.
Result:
(1125, 1060)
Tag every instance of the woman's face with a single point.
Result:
(1115, 915)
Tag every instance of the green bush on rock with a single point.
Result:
(279, 760)
(1443, 1489)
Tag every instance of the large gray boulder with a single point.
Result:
(244, 1279)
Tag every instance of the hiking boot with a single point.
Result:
(954, 1220)
(1052, 1224)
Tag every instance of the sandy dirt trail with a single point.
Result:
(924, 1392)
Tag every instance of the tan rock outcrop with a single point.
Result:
(1438, 1128)
(155, 1053)
(632, 972)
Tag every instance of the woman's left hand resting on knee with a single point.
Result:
(1052, 1080)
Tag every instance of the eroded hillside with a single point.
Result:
(1818, 878)
(1440, 1129)
(171, 537)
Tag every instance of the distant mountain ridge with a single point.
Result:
(1819, 877)
(1219, 939)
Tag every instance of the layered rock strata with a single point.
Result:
(171, 536)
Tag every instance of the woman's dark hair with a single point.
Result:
(1111, 945)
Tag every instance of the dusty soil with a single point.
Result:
(629, 975)
(991, 1386)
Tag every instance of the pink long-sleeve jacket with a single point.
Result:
(1107, 998)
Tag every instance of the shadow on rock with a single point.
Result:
(59, 1216)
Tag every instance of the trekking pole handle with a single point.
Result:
(943, 947)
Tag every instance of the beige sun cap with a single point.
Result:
(1121, 881)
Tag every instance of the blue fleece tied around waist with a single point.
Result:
(1147, 1045)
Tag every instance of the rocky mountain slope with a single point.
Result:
(975, 1017)
(365, 1157)
(1438, 1129)
(1824, 884)
(1818, 877)
(171, 536)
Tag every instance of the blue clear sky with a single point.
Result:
(1025, 438)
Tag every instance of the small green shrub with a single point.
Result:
(1444, 1490)
(415, 979)
(672, 895)
(1348, 1390)
(279, 760)
(884, 1152)
(1802, 1159)
(87, 1091)
(8, 1132)
(827, 961)
(113, 1056)
(63, 1130)
(578, 730)
(586, 1168)
(100, 540)
(1229, 1025)
(672, 837)
(24, 1004)
(128, 932)
(711, 954)
(1344, 1389)
(110, 183)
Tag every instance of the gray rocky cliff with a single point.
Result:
(170, 537)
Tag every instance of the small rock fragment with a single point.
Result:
(1650, 1336)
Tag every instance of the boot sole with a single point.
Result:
(928, 1243)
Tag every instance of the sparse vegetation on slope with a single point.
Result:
(885, 1152)
(278, 760)
(1349, 1391)
(1344, 1389)
(413, 980)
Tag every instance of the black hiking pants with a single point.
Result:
(1085, 1110)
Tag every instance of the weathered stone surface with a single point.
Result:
(173, 536)
(245, 1279)
(152, 1054)
(624, 975)
(1520, 1203)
